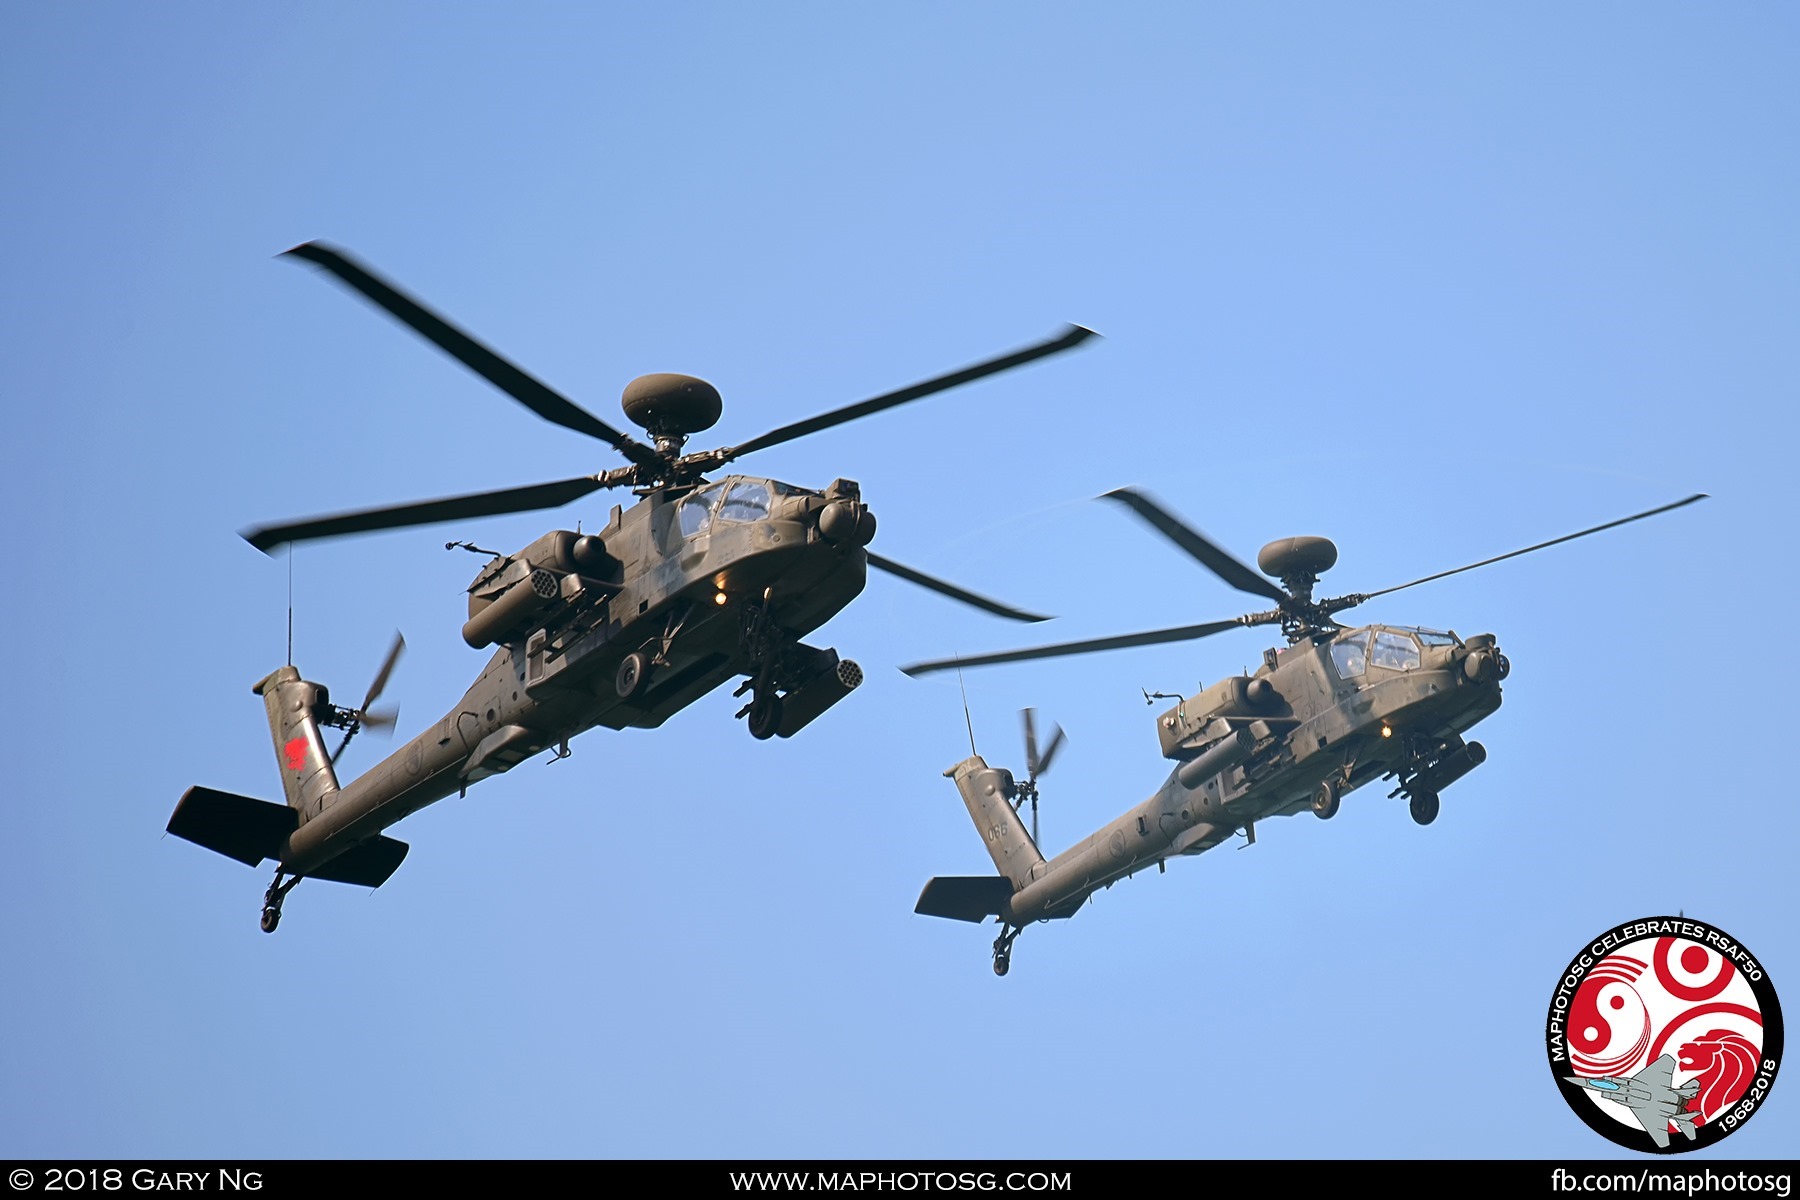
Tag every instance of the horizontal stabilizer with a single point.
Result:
(240, 827)
(367, 864)
(965, 897)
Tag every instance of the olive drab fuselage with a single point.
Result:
(697, 581)
(683, 579)
(1371, 703)
(1317, 719)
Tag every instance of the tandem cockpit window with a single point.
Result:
(1395, 651)
(696, 511)
(747, 500)
(1350, 654)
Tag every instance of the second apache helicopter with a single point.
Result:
(700, 580)
(1335, 709)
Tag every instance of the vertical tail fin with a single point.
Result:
(988, 794)
(293, 706)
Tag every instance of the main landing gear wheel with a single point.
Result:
(764, 715)
(1424, 807)
(633, 676)
(1325, 800)
(271, 917)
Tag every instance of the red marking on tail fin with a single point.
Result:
(296, 753)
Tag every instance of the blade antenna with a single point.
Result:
(290, 660)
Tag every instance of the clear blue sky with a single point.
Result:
(1436, 281)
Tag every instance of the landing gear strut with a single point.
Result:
(271, 912)
(1003, 949)
(768, 648)
(1433, 766)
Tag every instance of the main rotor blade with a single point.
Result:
(952, 591)
(426, 512)
(387, 669)
(534, 394)
(1209, 556)
(1155, 637)
(1071, 337)
(1541, 545)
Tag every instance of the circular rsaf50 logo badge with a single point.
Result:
(1664, 1034)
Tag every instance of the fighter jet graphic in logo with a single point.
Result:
(1652, 1098)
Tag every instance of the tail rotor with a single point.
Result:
(353, 720)
(1035, 764)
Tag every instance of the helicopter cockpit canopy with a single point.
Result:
(1388, 647)
(736, 499)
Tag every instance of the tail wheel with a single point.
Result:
(1325, 800)
(1424, 807)
(271, 917)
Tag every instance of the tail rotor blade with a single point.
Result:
(381, 718)
(1029, 716)
(387, 669)
(365, 717)
(1056, 741)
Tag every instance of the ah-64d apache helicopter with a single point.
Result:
(700, 580)
(1333, 710)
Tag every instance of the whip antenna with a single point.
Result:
(967, 720)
